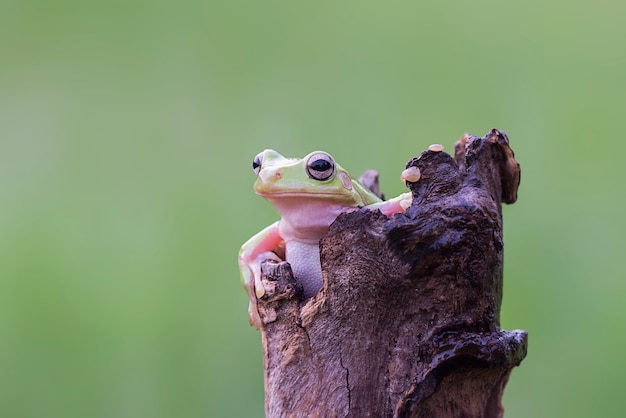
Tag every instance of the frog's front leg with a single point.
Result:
(261, 247)
(398, 204)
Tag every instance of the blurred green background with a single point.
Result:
(127, 131)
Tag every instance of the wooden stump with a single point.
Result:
(407, 323)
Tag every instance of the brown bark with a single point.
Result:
(407, 323)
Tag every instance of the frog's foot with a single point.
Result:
(255, 287)
(398, 204)
(401, 203)
(255, 267)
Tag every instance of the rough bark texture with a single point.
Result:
(407, 323)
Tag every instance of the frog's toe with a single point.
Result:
(253, 316)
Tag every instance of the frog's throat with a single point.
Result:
(307, 213)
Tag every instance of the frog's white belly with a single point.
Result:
(305, 265)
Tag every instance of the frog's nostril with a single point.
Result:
(269, 175)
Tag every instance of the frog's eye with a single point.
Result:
(320, 166)
(256, 163)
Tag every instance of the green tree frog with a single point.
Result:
(308, 193)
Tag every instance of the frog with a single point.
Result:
(309, 193)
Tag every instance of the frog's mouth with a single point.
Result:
(318, 201)
(329, 197)
(289, 193)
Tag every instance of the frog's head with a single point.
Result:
(316, 176)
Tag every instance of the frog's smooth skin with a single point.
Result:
(308, 193)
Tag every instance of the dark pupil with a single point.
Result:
(320, 165)
(255, 164)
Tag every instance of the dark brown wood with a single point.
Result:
(407, 323)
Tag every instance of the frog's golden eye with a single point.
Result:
(256, 163)
(320, 166)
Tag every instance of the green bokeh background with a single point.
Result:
(127, 130)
